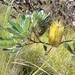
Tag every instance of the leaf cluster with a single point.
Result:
(21, 33)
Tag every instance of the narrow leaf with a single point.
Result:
(13, 25)
(68, 47)
(22, 21)
(19, 28)
(2, 46)
(23, 17)
(8, 49)
(74, 46)
(35, 15)
(45, 47)
(2, 28)
(13, 32)
(2, 38)
(46, 15)
(73, 58)
(40, 14)
(26, 24)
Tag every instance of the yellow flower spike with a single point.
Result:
(55, 33)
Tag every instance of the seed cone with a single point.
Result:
(55, 33)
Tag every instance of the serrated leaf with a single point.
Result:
(73, 58)
(68, 47)
(13, 25)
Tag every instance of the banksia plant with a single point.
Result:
(23, 30)
(55, 33)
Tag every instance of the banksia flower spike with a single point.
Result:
(55, 33)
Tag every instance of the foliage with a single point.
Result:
(30, 26)
(23, 30)
(67, 46)
(29, 57)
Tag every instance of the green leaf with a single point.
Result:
(17, 37)
(22, 21)
(13, 25)
(45, 47)
(2, 28)
(13, 31)
(73, 58)
(26, 24)
(33, 24)
(45, 15)
(23, 17)
(40, 14)
(35, 15)
(34, 20)
(19, 28)
(2, 46)
(74, 46)
(2, 38)
(45, 21)
(7, 49)
(12, 48)
(68, 47)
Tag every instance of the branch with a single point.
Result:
(36, 36)
(67, 41)
(48, 51)
(46, 42)
(37, 41)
